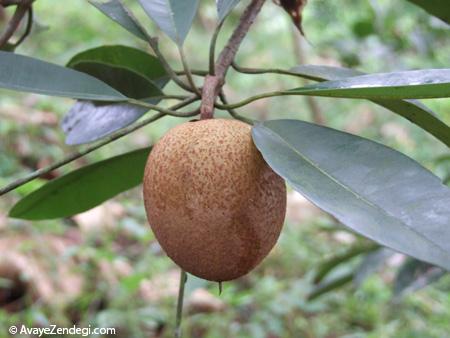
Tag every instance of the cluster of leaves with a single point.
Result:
(374, 190)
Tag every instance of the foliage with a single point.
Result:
(364, 185)
(134, 82)
(84, 188)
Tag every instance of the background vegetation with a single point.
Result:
(104, 267)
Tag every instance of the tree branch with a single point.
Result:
(257, 97)
(22, 8)
(232, 112)
(153, 42)
(166, 111)
(259, 71)
(213, 83)
(187, 71)
(154, 45)
(6, 3)
(27, 28)
(230, 50)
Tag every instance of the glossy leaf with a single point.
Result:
(325, 73)
(128, 83)
(412, 110)
(27, 74)
(129, 70)
(377, 191)
(116, 11)
(87, 121)
(131, 59)
(84, 188)
(224, 7)
(438, 8)
(414, 84)
(173, 17)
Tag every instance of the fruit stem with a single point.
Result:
(183, 280)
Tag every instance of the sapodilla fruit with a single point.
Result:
(215, 206)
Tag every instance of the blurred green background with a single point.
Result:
(103, 268)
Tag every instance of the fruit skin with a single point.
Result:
(215, 206)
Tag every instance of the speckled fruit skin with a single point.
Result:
(215, 206)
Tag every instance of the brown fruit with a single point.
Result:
(214, 204)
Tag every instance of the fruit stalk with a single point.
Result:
(183, 279)
(213, 83)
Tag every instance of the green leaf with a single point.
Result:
(132, 282)
(131, 71)
(124, 57)
(116, 11)
(325, 73)
(87, 121)
(128, 83)
(330, 285)
(420, 115)
(84, 188)
(325, 267)
(8, 47)
(415, 275)
(414, 84)
(364, 27)
(23, 73)
(412, 110)
(438, 8)
(377, 191)
(174, 17)
(224, 7)
(30, 186)
(447, 180)
(443, 159)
